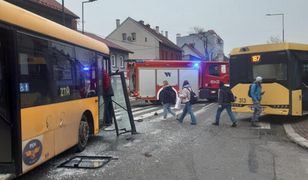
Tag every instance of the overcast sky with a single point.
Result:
(238, 22)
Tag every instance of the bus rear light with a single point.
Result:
(279, 106)
(238, 105)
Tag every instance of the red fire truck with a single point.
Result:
(145, 77)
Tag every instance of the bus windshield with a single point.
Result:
(270, 71)
(271, 66)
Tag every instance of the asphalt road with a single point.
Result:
(168, 150)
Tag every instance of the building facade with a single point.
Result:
(49, 9)
(118, 54)
(145, 42)
(209, 44)
(190, 53)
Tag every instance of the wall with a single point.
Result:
(141, 49)
(215, 49)
(166, 52)
(118, 54)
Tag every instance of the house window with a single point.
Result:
(145, 39)
(124, 36)
(113, 61)
(122, 62)
(134, 36)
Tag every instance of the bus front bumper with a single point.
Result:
(266, 109)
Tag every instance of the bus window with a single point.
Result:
(87, 69)
(62, 58)
(6, 122)
(34, 71)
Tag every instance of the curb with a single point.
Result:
(298, 139)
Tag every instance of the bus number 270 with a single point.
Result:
(65, 91)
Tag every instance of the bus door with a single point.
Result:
(124, 123)
(301, 79)
(304, 85)
(6, 122)
(102, 65)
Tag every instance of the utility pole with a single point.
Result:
(63, 14)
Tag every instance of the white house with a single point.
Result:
(145, 42)
(209, 44)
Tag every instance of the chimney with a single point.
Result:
(118, 23)
(162, 32)
(141, 22)
(178, 35)
(166, 34)
(157, 29)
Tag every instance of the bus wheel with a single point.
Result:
(83, 134)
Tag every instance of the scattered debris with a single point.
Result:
(86, 162)
(130, 138)
(155, 114)
(147, 154)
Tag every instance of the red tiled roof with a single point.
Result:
(108, 43)
(53, 4)
(164, 40)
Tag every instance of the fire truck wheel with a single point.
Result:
(83, 134)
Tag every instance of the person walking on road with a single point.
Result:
(185, 97)
(167, 97)
(225, 97)
(256, 93)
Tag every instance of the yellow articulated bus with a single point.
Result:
(51, 80)
(284, 69)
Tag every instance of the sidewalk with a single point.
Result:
(298, 132)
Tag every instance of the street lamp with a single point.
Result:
(282, 15)
(83, 13)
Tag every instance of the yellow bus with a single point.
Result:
(284, 69)
(51, 78)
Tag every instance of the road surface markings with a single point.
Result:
(136, 113)
(263, 125)
(202, 110)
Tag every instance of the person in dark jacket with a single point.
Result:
(167, 97)
(225, 97)
(107, 93)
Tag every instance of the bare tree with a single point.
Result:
(274, 39)
(203, 36)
